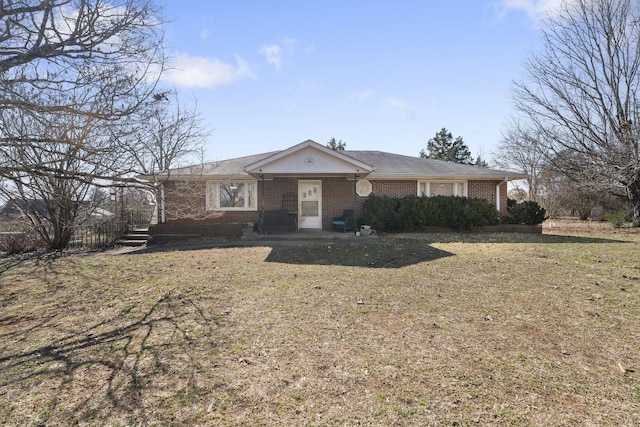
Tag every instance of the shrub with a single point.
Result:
(411, 213)
(19, 242)
(527, 212)
(619, 217)
(415, 213)
(380, 212)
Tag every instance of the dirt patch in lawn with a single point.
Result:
(437, 329)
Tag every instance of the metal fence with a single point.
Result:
(108, 232)
(137, 219)
(98, 235)
(15, 237)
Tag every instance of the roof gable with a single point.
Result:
(308, 157)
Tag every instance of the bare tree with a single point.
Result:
(110, 48)
(52, 178)
(72, 75)
(75, 58)
(581, 93)
(564, 195)
(521, 149)
(168, 135)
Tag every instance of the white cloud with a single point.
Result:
(276, 53)
(536, 9)
(196, 71)
(397, 104)
(362, 95)
(273, 54)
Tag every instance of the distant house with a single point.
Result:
(313, 184)
(15, 208)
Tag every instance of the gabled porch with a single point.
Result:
(303, 187)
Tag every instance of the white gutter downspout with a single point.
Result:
(162, 206)
(498, 192)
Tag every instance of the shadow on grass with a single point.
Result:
(117, 366)
(462, 237)
(392, 254)
(9, 261)
(390, 251)
(400, 250)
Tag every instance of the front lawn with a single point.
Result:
(431, 329)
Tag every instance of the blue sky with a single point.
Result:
(377, 74)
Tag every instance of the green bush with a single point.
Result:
(380, 213)
(527, 212)
(619, 217)
(415, 213)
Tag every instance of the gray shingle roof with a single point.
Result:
(387, 166)
(396, 166)
(232, 168)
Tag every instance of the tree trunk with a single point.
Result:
(634, 196)
(636, 212)
(61, 241)
(63, 219)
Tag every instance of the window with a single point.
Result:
(310, 208)
(241, 195)
(363, 187)
(442, 188)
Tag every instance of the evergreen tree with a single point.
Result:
(480, 162)
(336, 145)
(443, 147)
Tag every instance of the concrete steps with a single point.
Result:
(135, 238)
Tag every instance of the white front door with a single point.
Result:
(310, 204)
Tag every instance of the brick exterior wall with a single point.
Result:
(487, 190)
(185, 202)
(395, 188)
(338, 195)
(279, 193)
(503, 196)
(159, 231)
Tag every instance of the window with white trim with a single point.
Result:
(232, 196)
(442, 188)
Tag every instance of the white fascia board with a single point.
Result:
(256, 167)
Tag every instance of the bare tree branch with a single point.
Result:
(74, 76)
(95, 44)
(581, 93)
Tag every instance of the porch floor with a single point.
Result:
(306, 234)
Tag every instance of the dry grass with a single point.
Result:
(434, 329)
